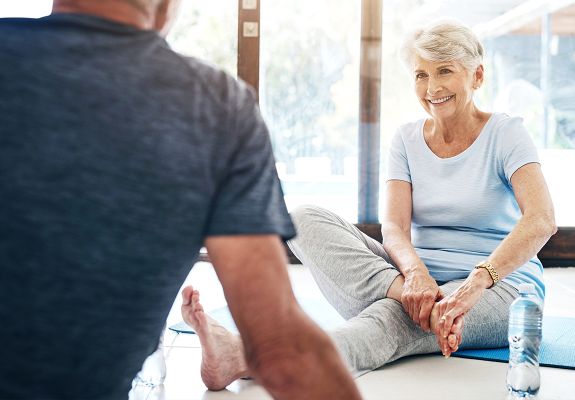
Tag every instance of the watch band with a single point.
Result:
(489, 267)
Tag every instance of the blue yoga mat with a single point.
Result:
(557, 348)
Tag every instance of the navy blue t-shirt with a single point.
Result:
(117, 158)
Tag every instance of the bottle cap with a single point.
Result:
(526, 288)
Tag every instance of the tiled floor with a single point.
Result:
(424, 377)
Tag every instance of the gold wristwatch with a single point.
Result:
(489, 267)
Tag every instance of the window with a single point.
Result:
(25, 8)
(207, 30)
(538, 85)
(309, 80)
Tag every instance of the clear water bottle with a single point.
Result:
(525, 320)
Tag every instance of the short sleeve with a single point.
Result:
(249, 197)
(516, 147)
(397, 165)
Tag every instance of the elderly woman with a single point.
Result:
(467, 211)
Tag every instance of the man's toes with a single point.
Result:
(195, 298)
(199, 312)
(200, 317)
(187, 295)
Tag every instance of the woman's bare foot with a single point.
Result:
(222, 352)
(453, 340)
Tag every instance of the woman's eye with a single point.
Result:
(445, 71)
(421, 75)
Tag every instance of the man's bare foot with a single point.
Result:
(452, 339)
(222, 352)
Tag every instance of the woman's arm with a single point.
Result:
(420, 290)
(534, 228)
(532, 231)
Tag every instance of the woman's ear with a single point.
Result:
(478, 77)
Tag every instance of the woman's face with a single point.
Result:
(445, 89)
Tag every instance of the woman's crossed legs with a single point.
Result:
(355, 274)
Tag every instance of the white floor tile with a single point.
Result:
(436, 378)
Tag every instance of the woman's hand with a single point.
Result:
(454, 338)
(420, 291)
(453, 308)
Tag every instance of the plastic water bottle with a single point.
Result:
(525, 320)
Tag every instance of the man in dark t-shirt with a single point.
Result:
(119, 159)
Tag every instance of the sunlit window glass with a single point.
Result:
(25, 8)
(309, 79)
(533, 68)
(207, 30)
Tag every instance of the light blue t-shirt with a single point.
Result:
(464, 206)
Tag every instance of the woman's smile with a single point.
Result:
(441, 100)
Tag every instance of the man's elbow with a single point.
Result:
(283, 369)
(298, 356)
(280, 376)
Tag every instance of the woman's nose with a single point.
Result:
(433, 90)
(433, 87)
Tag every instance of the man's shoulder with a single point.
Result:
(216, 83)
(17, 22)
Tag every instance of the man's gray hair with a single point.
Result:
(443, 41)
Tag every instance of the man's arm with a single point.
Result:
(289, 354)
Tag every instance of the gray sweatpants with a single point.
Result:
(354, 273)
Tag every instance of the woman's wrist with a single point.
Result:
(414, 269)
(481, 277)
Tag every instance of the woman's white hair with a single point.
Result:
(443, 41)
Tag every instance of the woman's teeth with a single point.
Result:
(441, 100)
